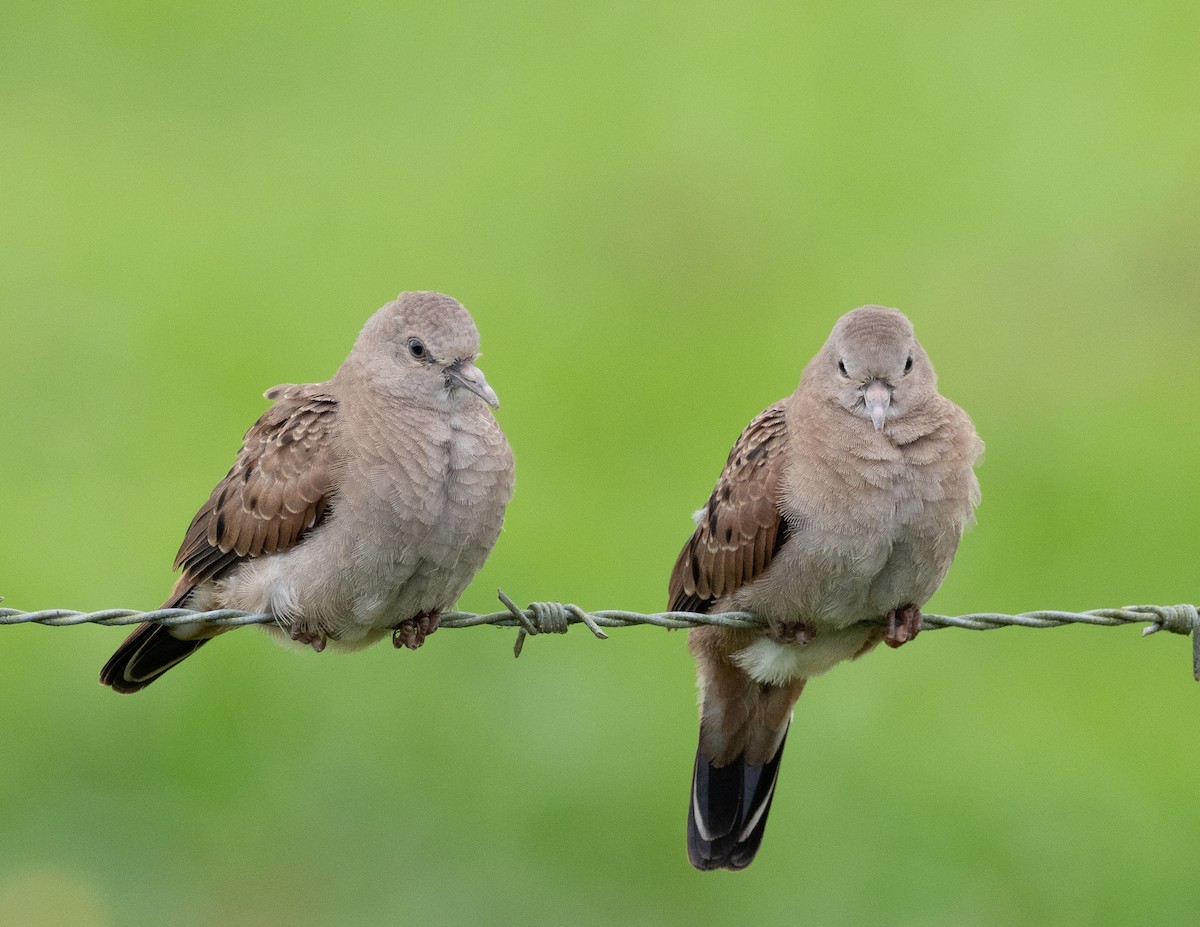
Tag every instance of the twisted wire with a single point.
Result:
(557, 617)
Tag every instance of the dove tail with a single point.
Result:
(728, 811)
(145, 655)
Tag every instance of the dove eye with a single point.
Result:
(908, 364)
(417, 348)
(842, 368)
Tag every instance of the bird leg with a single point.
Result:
(790, 632)
(411, 632)
(901, 625)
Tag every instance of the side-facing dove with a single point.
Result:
(357, 507)
(835, 519)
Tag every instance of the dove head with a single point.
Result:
(421, 347)
(873, 366)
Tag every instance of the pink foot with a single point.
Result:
(901, 625)
(791, 633)
(411, 633)
(302, 635)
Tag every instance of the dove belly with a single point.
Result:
(326, 584)
(840, 585)
(355, 589)
(774, 664)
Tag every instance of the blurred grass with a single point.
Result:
(655, 212)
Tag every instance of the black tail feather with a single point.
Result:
(145, 655)
(727, 815)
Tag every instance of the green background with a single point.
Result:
(655, 212)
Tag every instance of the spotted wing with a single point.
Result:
(740, 528)
(279, 488)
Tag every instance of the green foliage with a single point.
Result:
(655, 213)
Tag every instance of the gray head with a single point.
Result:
(873, 366)
(421, 346)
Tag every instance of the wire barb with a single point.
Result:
(556, 617)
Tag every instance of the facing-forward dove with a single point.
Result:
(835, 519)
(357, 507)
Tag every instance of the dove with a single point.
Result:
(357, 507)
(835, 518)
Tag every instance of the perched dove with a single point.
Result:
(356, 507)
(835, 519)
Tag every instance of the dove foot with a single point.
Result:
(412, 632)
(901, 625)
(791, 633)
(302, 635)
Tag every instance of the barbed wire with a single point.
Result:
(557, 617)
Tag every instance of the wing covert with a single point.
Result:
(740, 527)
(279, 487)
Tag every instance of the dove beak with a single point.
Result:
(464, 373)
(877, 396)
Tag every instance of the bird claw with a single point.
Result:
(302, 635)
(901, 625)
(411, 632)
(791, 633)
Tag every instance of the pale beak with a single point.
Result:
(877, 396)
(465, 374)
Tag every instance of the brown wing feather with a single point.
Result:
(277, 490)
(740, 528)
